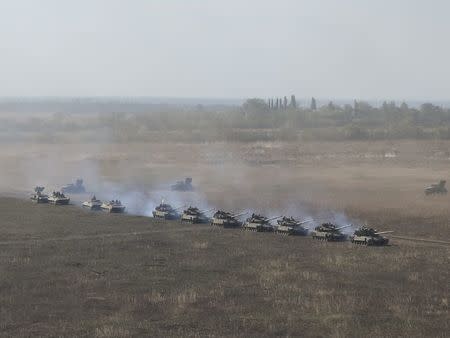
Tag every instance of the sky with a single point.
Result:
(341, 49)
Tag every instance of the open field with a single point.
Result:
(65, 271)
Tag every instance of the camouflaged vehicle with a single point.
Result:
(369, 236)
(259, 223)
(39, 196)
(195, 215)
(93, 204)
(58, 198)
(185, 185)
(165, 211)
(291, 226)
(76, 188)
(438, 188)
(329, 232)
(226, 219)
(113, 206)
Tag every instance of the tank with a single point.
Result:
(329, 232)
(58, 198)
(259, 223)
(113, 206)
(76, 188)
(291, 226)
(93, 204)
(185, 185)
(438, 188)
(226, 219)
(195, 215)
(165, 211)
(369, 236)
(39, 196)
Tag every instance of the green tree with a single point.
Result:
(313, 104)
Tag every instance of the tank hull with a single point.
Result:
(291, 231)
(39, 199)
(59, 201)
(258, 227)
(194, 219)
(368, 240)
(165, 215)
(113, 209)
(329, 237)
(225, 223)
(92, 205)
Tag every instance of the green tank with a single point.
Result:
(195, 215)
(259, 223)
(329, 232)
(39, 196)
(369, 236)
(226, 219)
(291, 226)
(58, 198)
(438, 188)
(165, 211)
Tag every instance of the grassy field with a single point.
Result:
(70, 272)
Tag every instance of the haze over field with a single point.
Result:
(336, 49)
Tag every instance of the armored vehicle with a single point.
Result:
(58, 198)
(76, 188)
(226, 219)
(369, 236)
(259, 223)
(185, 185)
(166, 211)
(113, 206)
(438, 188)
(290, 226)
(329, 232)
(38, 196)
(93, 204)
(195, 215)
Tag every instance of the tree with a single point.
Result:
(285, 102)
(293, 103)
(255, 106)
(313, 104)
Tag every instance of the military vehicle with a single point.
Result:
(259, 223)
(58, 198)
(113, 206)
(185, 185)
(76, 188)
(290, 226)
(329, 232)
(438, 188)
(38, 196)
(93, 204)
(369, 236)
(226, 219)
(195, 215)
(166, 211)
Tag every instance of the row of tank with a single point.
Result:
(59, 198)
(285, 225)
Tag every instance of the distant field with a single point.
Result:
(68, 272)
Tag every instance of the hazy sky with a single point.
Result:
(395, 49)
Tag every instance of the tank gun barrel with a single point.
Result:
(305, 221)
(240, 214)
(179, 208)
(343, 227)
(273, 218)
(205, 211)
(384, 232)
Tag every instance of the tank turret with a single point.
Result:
(165, 211)
(369, 236)
(259, 223)
(113, 206)
(195, 215)
(329, 232)
(438, 188)
(76, 188)
(291, 226)
(39, 196)
(226, 219)
(58, 198)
